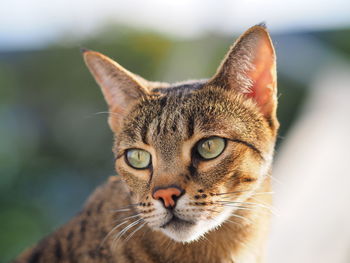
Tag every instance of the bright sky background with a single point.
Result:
(33, 23)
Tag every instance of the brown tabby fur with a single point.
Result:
(238, 103)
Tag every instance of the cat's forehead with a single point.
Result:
(176, 114)
(180, 88)
(168, 114)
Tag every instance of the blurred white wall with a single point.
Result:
(312, 192)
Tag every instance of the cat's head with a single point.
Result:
(191, 152)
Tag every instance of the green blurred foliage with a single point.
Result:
(339, 39)
(55, 145)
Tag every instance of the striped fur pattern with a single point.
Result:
(223, 213)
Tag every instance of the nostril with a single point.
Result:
(175, 197)
(161, 199)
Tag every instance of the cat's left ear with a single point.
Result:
(121, 88)
(250, 68)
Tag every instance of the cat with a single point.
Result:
(193, 161)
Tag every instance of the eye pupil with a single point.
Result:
(208, 143)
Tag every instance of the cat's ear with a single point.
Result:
(120, 87)
(250, 68)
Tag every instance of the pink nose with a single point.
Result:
(168, 196)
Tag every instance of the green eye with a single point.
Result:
(137, 158)
(211, 147)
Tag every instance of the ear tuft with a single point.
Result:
(83, 50)
(262, 24)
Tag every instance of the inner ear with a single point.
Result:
(263, 77)
(250, 68)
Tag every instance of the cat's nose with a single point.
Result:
(168, 195)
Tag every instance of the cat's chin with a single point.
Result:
(188, 231)
(181, 231)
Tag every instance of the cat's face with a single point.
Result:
(192, 153)
(212, 145)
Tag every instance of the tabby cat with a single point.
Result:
(193, 162)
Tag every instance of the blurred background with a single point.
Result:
(55, 146)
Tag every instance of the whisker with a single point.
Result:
(242, 217)
(105, 112)
(128, 217)
(101, 112)
(265, 212)
(274, 210)
(211, 210)
(235, 192)
(233, 222)
(262, 204)
(124, 230)
(230, 221)
(112, 114)
(239, 192)
(121, 210)
(262, 193)
(129, 207)
(238, 216)
(233, 205)
(250, 208)
(110, 232)
(199, 209)
(249, 204)
(275, 180)
(133, 232)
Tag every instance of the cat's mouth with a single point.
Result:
(177, 223)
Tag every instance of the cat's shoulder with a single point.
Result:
(83, 236)
(111, 193)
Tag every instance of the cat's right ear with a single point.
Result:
(249, 68)
(121, 88)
